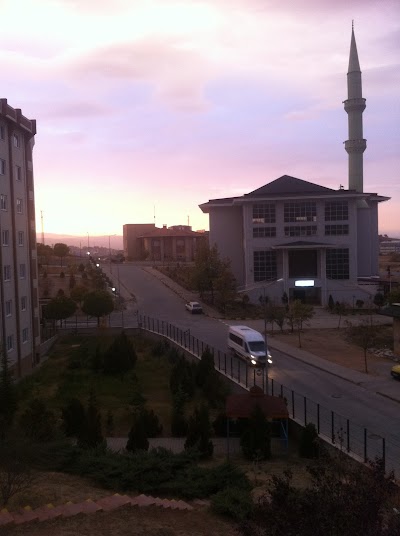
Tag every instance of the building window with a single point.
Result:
(23, 303)
(264, 232)
(7, 272)
(301, 230)
(20, 238)
(265, 266)
(336, 211)
(19, 206)
(337, 264)
(336, 230)
(2, 167)
(22, 271)
(2, 132)
(298, 212)
(16, 140)
(18, 173)
(25, 335)
(10, 343)
(8, 307)
(263, 213)
(5, 237)
(3, 202)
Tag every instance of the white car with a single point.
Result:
(194, 307)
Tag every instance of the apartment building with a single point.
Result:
(19, 311)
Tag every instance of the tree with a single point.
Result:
(379, 300)
(300, 313)
(344, 498)
(225, 286)
(205, 367)
(394, 296)
(341, 309)
(73, 417)
(8, 396)
(44, 253)
(90, 435)
(137, 439)
(120, 356)
(199, 433)
(331, 303)
(78, 294)
(16, 475)
(61, 250)
(59, 308)
(98, 303)
(363, 335)
(207, 268)
(256, 438)
(38, 422)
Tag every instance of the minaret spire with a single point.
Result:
(354, 106)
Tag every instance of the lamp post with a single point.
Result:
(87, 232)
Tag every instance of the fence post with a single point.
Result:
(247, 374)
(219, 360)
(225, 361)
(365, 446)
(333, 426)
(272, 386)
(348, 435)
(318, 419)
(384, 454)
(305, 410)
(293, 403)
(239, 370)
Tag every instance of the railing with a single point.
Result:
(332, 427)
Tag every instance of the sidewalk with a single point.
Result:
(384, 386)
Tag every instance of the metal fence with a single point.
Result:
(332, 427)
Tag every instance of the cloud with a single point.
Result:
(73, 110)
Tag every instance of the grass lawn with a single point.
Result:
(66, 374)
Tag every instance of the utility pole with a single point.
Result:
(41, 219)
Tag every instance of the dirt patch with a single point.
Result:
(331, 344)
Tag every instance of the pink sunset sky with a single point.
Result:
(152, 107)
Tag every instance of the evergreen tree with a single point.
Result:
(90, 435)
(199, 433)
(38, 422)
(205, 367)
(331, 303)
(137, 439)
(73, 417)
(120, 356)
(256, 439)
(8, 396)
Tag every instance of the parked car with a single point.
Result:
(194, 307)
(395, 372)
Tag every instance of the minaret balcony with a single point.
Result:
(351, 105)
(355, 146)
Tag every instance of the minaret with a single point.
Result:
(354, 106)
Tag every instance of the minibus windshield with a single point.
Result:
(257, 346)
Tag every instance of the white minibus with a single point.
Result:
(248, 344)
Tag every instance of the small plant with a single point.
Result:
(309, 444)
(62, 275)
(234, 503)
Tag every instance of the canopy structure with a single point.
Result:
(241, 406)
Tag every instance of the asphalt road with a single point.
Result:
(364, 409)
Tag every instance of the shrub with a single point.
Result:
(234, 503)
(256, 439)
(199, 432)
(205, 367)
(160, 348)
(137, 439)
(151, 422)
(90, 435)
(120, 356)
(62, 275)
(38, 422)
(73, 417)
(309, 444)
(182, 377)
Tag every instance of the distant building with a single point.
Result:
(20, 325)
(299, 238)
(147, 242)
(389, 246)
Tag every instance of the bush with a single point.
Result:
(205, 367)
(160, 348)
(309, 443)
(199, 432)
(234, 503)
(62, 275)
(38, 422)
(137, 439)
(73, 417)
(256, 439)
(120, 356)
(151, 422)
(182, 377)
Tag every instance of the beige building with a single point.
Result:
(148, 242)
(19, 326)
